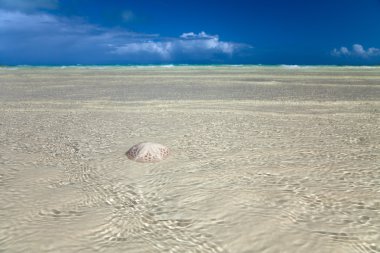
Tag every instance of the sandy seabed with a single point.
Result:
(264, 159)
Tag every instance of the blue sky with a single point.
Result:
(63, 32)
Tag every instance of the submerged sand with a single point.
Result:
(263, 159)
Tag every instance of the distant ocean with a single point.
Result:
(285, 66)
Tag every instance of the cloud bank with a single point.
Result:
(356, 51)
(40, 38)
(188, 45)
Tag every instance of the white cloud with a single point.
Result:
(201, 35)
(161, 49)
(356, 51)
(49, 39)
(189, 45)
(28, 5)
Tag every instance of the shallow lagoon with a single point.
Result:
(264, 159)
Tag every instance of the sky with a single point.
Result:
(100, 32)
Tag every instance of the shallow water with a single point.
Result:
(263, 160)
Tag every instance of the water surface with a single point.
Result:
(263, 159)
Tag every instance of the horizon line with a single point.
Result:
(182, 65)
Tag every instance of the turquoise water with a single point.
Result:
(289, 66)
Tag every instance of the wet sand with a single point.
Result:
(264, 159)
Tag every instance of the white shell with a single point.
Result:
(147, 152)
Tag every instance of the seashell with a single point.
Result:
(147, 152)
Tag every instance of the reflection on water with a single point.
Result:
(244, 176)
